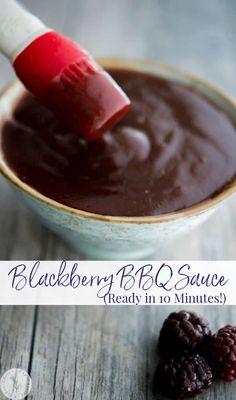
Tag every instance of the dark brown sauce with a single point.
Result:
(172, 150)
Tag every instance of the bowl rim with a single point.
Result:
(196, 209)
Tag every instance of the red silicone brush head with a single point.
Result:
(69, 82)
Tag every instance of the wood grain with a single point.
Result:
(102, 353)
(16, 333)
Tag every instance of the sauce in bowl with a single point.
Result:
(174, 148)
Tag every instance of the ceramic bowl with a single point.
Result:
(102, 237)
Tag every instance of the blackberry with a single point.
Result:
(182, 377)
(221, 353)
(182, 331)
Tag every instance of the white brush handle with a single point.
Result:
(18, 28)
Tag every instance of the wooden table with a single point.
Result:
(107, 353)
(198, 36)
(93, 353)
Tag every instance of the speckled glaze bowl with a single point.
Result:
(102, 237)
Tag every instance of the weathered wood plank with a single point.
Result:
(106, 353)
(16, 328)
